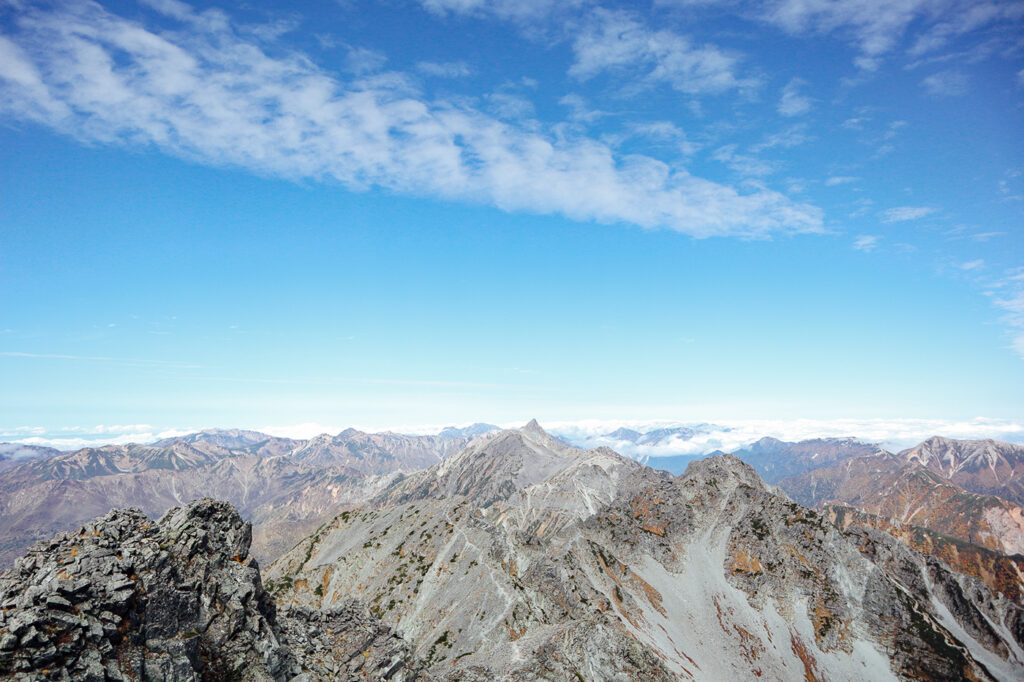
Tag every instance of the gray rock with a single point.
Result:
(127, 598)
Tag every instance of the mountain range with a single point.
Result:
(509, 556)
(285, 487)
(519, 557)
(905, 491)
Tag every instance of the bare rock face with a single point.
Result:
(125, 598)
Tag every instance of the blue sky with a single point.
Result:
(408, 213)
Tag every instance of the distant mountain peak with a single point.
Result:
(474, 429)
(623, 433)
(534, 426)
(536, 432)
(981, 466)
(769, 441)
(318, 440)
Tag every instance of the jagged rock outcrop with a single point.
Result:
(125, 598)
(524, 559)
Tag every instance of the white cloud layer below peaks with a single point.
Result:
(726, 435)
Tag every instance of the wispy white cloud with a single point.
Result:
(580, 110)
(619, 42)
(361, 60)
(444, 69)
(509, 106)
(879, 27)
(516, 10)
(94, 436)
(985, 236)
(793, 102)
(664, 132)
(893, 129)
(94, 358)
(207, 93)
(744, 164)
(874, 25)
(964, 18)
(946, 83)
(1014, 308)
(901, 214)
(972, 264)
(840, 180)
(793, 136)
(866, 242)
(21, 431)
(119, 429)
(1007, 294)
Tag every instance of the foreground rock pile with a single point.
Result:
(126, 598)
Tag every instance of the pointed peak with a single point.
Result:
(533, 427)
